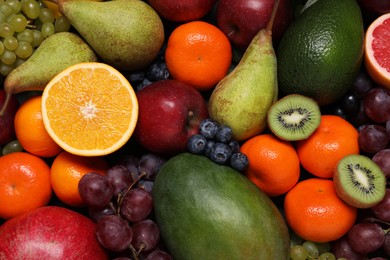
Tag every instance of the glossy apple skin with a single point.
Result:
(183, 10)
(50, 232)
(7, 130)
(169, 112)
(240, 20)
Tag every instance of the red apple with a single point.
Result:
(169, 112)
(182, 11)
(50, 232)
(240, 20)
(7, 115)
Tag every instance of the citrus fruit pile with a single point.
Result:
(323, 158)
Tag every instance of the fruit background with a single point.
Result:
(202, 129)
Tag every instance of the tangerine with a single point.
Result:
(30, 130)
(273, 163)
(377, 50)
(198, 53)
(315, 212)
(333, 139)
(24, 184)
(66, 171)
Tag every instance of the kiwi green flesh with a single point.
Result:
(359, 181)
(294, 117)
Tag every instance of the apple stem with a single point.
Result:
(6, 102)
(270, 23)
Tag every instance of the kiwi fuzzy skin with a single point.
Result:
(350, 196)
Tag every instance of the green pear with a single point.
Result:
(242, 99)
(126, 34)
(54, 54)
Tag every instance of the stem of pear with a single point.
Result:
(272, 18)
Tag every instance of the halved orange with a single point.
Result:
(377, 50)
(90, 109)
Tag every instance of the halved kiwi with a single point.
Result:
(359, 181)
(294, 117)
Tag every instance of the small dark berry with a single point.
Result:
(209, 146)
(224, 134)
(208, 128)
(143, 84)
(157, 71)
(220, 153)
(196, 144)
(235, 146)
(136, 77)
(239, 161)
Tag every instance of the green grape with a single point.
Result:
(19, 62)
(298, 252)
(47, 29)
(3, 18)
(6, 10)
(323, 247)
(12, 147)
(24, 50)
(61, 24)
(27, 35)
(327, 256)
(15, 5)
(295, 239)
(46, 16)
(6, 30)
(2, 48)
(18, 22)
(311, 248)
(31, 9)
(6, 69)
(10, 43)
(38, 38)
(8, 57)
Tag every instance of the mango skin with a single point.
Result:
(208, 211)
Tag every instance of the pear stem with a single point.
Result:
(270, 23)
(6, 102)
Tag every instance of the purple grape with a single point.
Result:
(360, 118)
(136, 205)
(131, 163)
(388, 128)
(95, 190)
(114, 233)
(386, 244)
(341, 249)
(382, 209)
(382, 158)
(146, 185)
(372, 138)
(366, 237)
(377, 104)
(146, 235)
(97, 213)
(150, 164)
(158, 255)
(350, 103)
(362, 84)
(120, 178)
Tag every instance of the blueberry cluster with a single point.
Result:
(216, 142)
(154, 72)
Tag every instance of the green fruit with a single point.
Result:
(209, 211)
(321, 51)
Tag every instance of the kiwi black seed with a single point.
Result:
(359, 181)
(294, 117)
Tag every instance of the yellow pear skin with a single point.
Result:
(241, 100)
(53, 55)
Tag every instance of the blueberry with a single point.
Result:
(143, 84)
(136, 77)
(157, 71)
(196, 144)
(210, 143)
(224, 134)
(208, 128)
(239, 161)
(220, 153)
(235, 146)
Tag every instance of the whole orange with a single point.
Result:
(66, 172)
(198, 53)
(273, 163)
(334, 138)
(24, 184)
(315, 212)
(30, 130)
